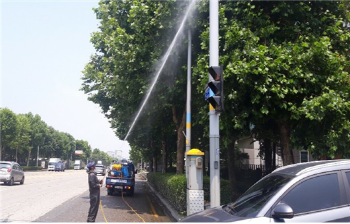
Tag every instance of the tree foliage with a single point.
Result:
(284, 64)
(23, 134)
(285, 71)
(133, 37)
(9, 128)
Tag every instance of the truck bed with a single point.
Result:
(120, 184)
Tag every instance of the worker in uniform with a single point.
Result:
(94, 188)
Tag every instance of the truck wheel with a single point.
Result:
(131, 191)
(109, 191)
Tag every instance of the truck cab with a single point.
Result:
(52, 164)
(77, 164)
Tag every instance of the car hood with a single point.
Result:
(216, 214)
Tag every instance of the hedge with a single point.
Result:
(31, 168)
(173, 187)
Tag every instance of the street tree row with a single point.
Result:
(22, 135)
(286, 79)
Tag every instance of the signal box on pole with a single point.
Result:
(217, 87)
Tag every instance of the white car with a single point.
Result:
(11, 172)
(316, 191)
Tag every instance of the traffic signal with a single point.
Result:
(217, 86)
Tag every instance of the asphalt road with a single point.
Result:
(64, 197)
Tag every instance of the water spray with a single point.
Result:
(165, 58)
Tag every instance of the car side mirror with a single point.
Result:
(282, 211)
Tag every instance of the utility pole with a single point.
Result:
(188, 99)
(214, 136)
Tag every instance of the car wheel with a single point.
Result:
(10, 183)
(22, 181)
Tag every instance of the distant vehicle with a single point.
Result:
(52, 163)
(11, 172)
(77, 164)
(316, 191)
(99, 162)
(59, 167)
(100, 169)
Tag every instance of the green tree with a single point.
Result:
(278, 57)
(71, 148)
(64, 145)
(85, 147)
(38, 133)
(50, 143)
(133, 36)
(22, 140)
(9, 128)
(98, 155)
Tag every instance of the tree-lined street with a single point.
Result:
(285, 74)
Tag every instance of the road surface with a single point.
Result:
(64, 197)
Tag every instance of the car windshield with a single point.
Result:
(52, 163)
(99, 167)
(251, 202)
(5, 165)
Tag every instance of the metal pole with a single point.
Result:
(189, 175)
(188, 100)
(214, 136)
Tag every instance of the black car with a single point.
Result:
(306, 192)
(100, 169)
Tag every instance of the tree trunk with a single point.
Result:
(150, 167)
(154, 164)
(231, 170)
(287, 154)
(1, 149)
(180, 144)
(16, 155)
(29, 151)
(164, 156)
(170, 162)
(268, 156)
(274, 156)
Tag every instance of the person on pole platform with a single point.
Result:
(94, 188)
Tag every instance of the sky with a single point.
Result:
(45, 45)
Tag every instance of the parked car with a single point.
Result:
(306, 192)
(100, 169)
(11, 172)
(59, 167)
